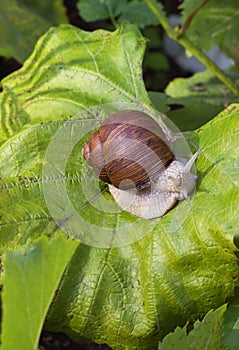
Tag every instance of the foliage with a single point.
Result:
(201, 96)
(205, 335)
(23, 22)
(133, 11)
(218, 22)
(26, 297)
(230, 333)
(132, 292)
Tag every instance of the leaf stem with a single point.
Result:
(113, 21)
(173, 33)
(189, 19)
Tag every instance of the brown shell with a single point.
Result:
(129, 146)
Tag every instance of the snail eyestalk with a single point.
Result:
(188, 166)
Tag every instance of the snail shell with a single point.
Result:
(130, 152)
(121, 150)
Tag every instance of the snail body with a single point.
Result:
(130, 152)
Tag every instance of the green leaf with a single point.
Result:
(230, 325)
(179, 267)
(94, 10)
(30, 281)
(71, 70)
(216, 23)
(205, 335)
(183, 268)
(132, 11)
(138, 12)
(159, 100)
(196, 100)
(60, 82)
(23, 22)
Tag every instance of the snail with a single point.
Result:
(130, 152)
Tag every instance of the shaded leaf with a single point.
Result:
(138, 12)
(159, 100)
(205, 335)
(30, 281)
(94, 10)
(23, 22)
(215, 24)
(196, 100)
(230, 325)
(132, 11)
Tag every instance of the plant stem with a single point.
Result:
(190, 18)
(191, 47)
(113, 21)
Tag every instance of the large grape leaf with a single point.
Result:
(69, 71)
(215, 24)
(182, 265)
(23, 22)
